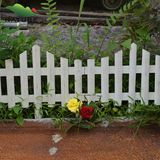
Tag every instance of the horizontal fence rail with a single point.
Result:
(25, 75)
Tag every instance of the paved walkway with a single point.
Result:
(35, 141)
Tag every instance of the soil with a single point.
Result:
(117, 142)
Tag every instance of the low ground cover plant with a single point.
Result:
(81, 114)
(145, 115)
(12, 45)
(16, 113)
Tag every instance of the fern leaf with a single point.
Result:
(44, 4)
(45, 8)
(52, 5)
(113, 19)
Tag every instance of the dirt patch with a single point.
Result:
(116, 142)
(31, 142)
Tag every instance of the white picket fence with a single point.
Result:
(78, 70)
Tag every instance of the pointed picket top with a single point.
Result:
(23, 59)
(133, 45)
(35, 46)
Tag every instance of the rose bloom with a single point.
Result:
(86, 112)
(74, 104)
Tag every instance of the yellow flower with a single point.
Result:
(74, 104)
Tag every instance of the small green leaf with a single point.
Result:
(16, 109)
(127, 43)
(113, 18)
(88, 125)
(93, 104)
(111, 46)
(20, 120)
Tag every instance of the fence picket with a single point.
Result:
(64, 80)
(24, 79)
(132, 73)
(157, 80)
(78, 76)
(10, 83)
(145, 76)
(118, 77)
(51, 78)
(91, 79)
(37, 80)
(105, 79)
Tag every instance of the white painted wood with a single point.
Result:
(64, 80)
(91, 79)
(118, 77)
(90, 70)
(37, 80)
(157, 81)
(145, 76)
(132, 73)
(78, 76)
(10, 82)
(51, 78)
(24, 79)
(105, 79)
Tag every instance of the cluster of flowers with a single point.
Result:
(78, 107)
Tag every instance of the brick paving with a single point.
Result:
(117, 142)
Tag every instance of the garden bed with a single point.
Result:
(116, 142)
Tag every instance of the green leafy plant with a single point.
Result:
(145, 115)
(50, 7)
(4, 112)
(12, 113)
(16, 113)
(51, 42)
(13, 45)
(139, 20)
(68, 46)
(84, 114)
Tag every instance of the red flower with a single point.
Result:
(86, 112)
(34, 10)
